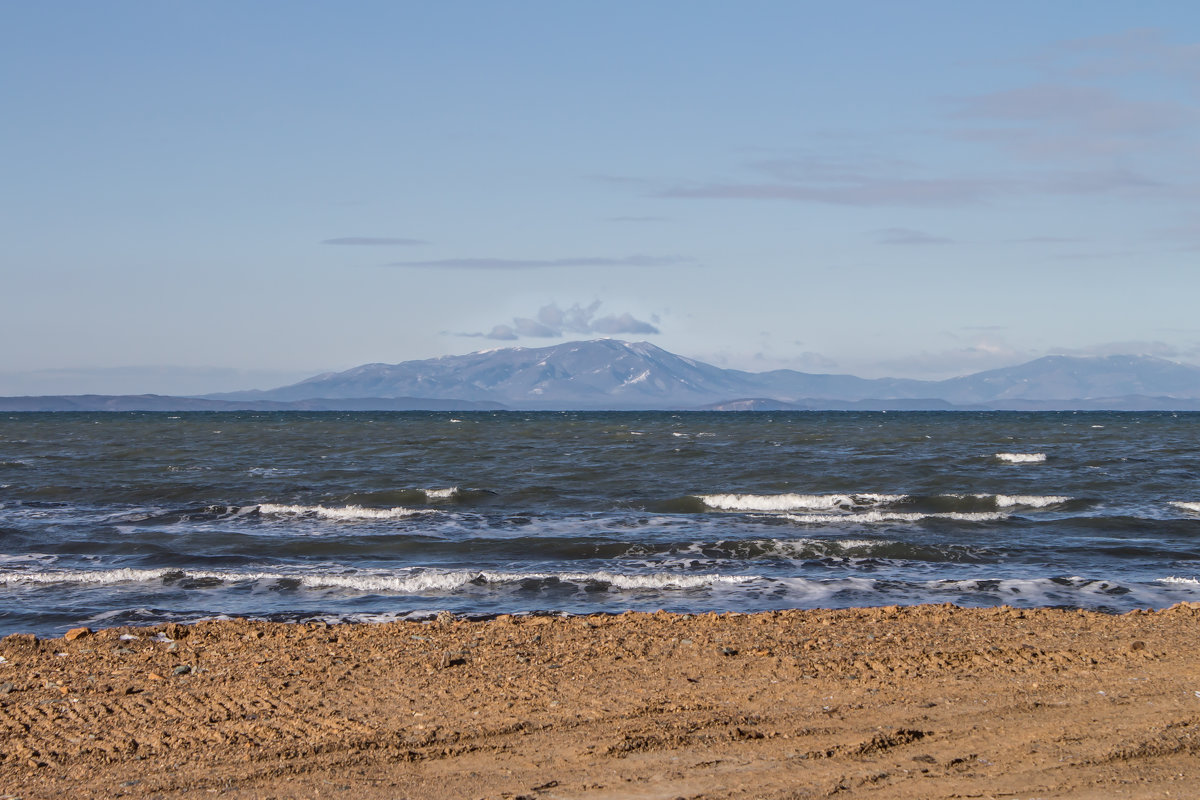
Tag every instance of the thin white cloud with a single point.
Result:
(986, 352)
(850, 191)
(908, 236)
(1129, 52)
(881, 183)
(375, 241)
(1054, 121)
(545, 263)
(1132, 348)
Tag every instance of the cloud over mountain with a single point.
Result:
(554, 322)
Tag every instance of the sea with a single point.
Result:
(110, 519)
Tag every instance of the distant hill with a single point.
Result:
(605, 373)
(609, 373)
(157, 402)
(613, 374)
(1070, 377)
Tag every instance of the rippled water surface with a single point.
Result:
(112, 519)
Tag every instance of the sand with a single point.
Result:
(923, 702)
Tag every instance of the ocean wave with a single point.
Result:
(26, 558)
(795, 502)
(1187, 506)
(441, 494)
(450, 581)
(1021, 458)
(345, 513)
(1027, 592)
(895, 516)
(406, 583)
(1030, 500)
(1179, 580)
(841, 549)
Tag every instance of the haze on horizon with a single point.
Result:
(220, 196)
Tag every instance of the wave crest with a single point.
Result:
(1021, 458)
(796, 502)
(895, 516)
(346, 513)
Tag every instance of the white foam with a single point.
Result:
(441, 494)
(1030, 500)
(1178, 580)
(793, 502)
(1187, 506)
(403, 583)
(339, 512)
(804, 547)
(1021, 458)
(893, 516)
(100, 576)
(450, 581)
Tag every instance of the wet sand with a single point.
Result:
(923, 702)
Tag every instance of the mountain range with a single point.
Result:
(614, 374)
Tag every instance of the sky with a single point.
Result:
(218, 195)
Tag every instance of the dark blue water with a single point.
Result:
(110, 519)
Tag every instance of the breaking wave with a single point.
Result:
(895, 516)
(410, 583)
(796, 502)
(346, 513)
(1021, 458)
(1030, 500)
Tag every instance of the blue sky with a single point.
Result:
(221, 195)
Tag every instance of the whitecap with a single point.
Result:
(1030, 500)
(441, 494)
(793, 502)
(1179, 580)
(345, 513)
(450, 581)
(1187, 506)
(403, 583)
(894, 516)
(1021, 458)
(99, 576)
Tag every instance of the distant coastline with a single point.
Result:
(92, 403)
(615, 375)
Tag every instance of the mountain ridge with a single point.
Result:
(615, 374)
(611, 374)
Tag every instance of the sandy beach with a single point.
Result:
(920, 702)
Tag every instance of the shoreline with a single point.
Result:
(903, 702)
